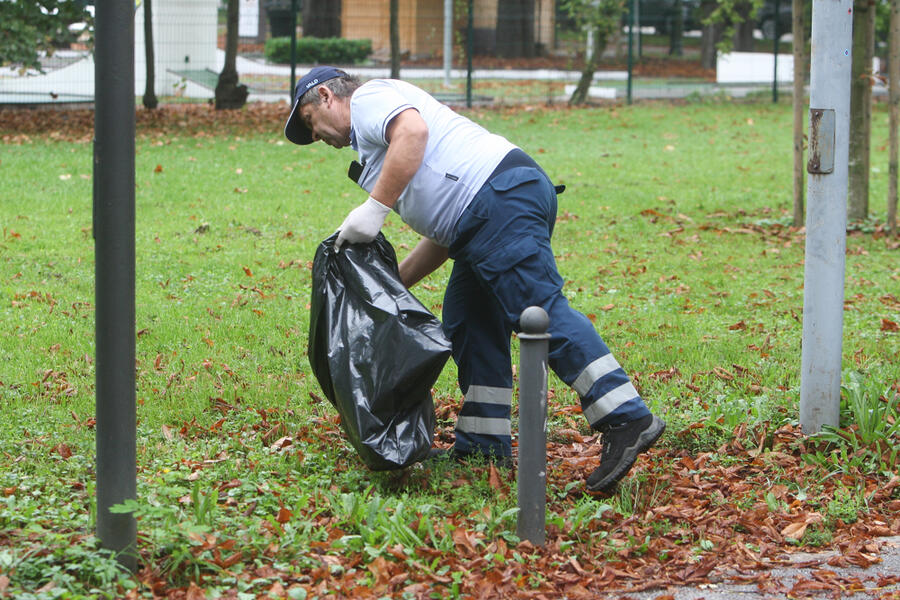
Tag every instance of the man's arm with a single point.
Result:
(424, 258)
(407, 135)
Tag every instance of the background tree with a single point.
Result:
(676, 36)
(37, 26)
(149, 99)
(711, 34)
(861, 109)
(603, 18)
(894, 119)
(321, 18)
(744, 24)
(515, 28)
(727, 25)
(230, 94)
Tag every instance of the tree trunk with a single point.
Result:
(580, 95)
(618, 42)
(322, 18)
(710, 36)
(676, 47)
(894, 101)
(743, 30)
(799, 49)
(229, 94)
(515, 28)
(149, 100)
(860, 109)
(395, 39)
(709, 39)
(743, 37)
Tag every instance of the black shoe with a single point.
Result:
(621, 446)
(451, 454)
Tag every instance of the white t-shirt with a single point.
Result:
(459, 155)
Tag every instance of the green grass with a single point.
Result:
(672, 236)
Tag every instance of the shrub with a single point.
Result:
(319, 50)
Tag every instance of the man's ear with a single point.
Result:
(325, 94)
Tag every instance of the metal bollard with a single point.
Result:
(532, 471)
(114, 224)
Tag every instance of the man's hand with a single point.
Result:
(362, 224)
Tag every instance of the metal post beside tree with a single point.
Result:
(632, 15)
(470, 45)
(776, 34)
(394, 31)
(448, 40)
(637, 23)
(114, 215)
(826, 216)
(532, 472)
(293, 49)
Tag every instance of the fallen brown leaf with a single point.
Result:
(284, 515)
(888, 325)
(64, 451)
(195, 593)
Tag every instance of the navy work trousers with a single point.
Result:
(503, 263)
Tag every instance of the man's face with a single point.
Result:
(329, 120)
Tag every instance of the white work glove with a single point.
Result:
(362, 224)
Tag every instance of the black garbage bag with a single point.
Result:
(376, 351)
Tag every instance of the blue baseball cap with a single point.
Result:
(295, 129)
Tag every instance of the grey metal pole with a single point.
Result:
(826, 217)
(637, 20)
(114, 272)
(293, 49)
(532, 473)
(632, 14)
(775, 55)
(470, 45)
(448, 40)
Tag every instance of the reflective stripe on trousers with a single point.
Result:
(483, 422)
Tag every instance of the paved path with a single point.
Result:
(801, 568)
(70, 79)
(608, 84)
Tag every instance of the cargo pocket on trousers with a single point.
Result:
(520, 273)
(513, 178)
